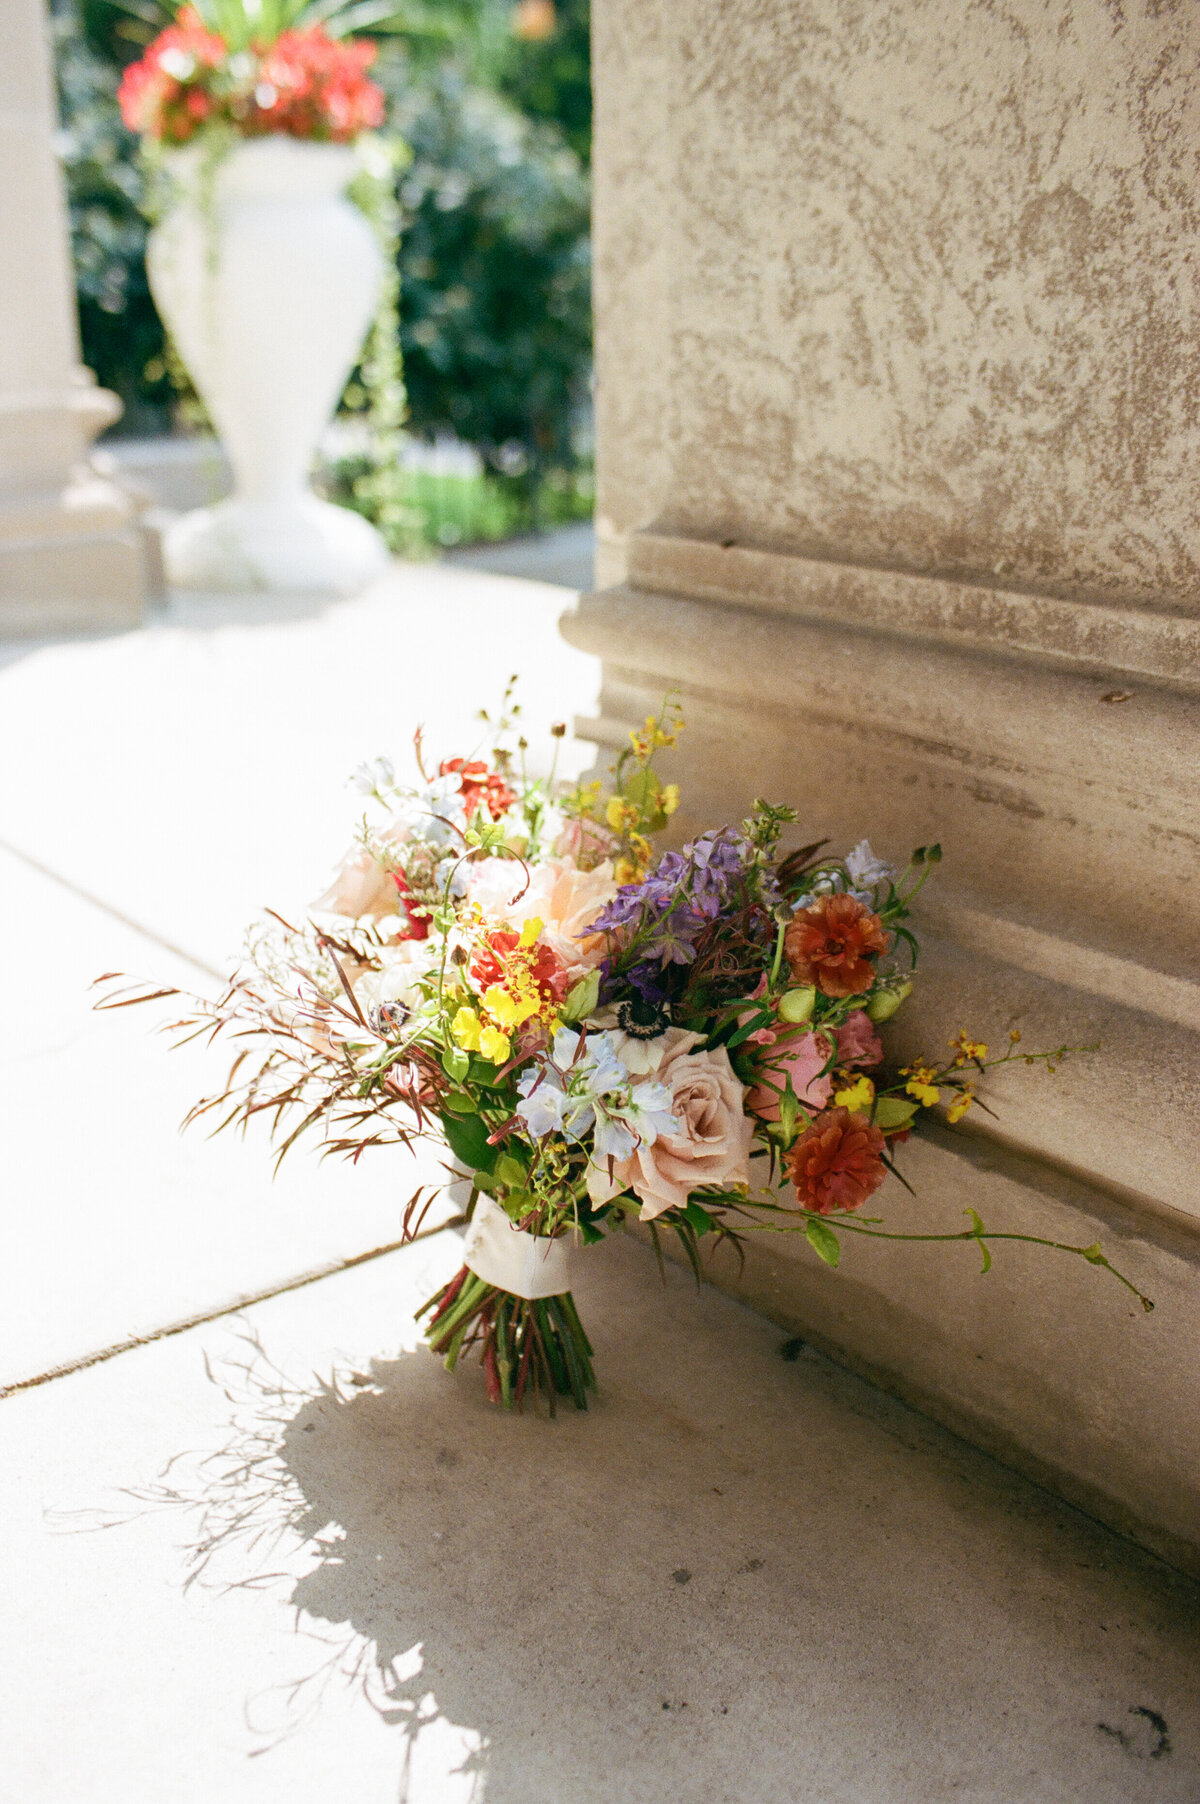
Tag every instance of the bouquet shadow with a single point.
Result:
(731, 1567)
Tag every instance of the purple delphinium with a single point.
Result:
(661, 918)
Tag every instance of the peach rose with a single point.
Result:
(362, 887)
(565, 899)
(713, 1142)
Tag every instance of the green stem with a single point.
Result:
(1092, 1254)
(778, 955)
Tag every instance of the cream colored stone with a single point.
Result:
(899, 466)
(71, 552)
(737, 1579)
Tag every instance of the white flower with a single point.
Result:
(561, 1094)
(865, 870)
(435, 809)
(372, 777)
(396, 983)
(641, 1058)
(583, 1086)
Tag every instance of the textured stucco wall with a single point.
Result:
(899, 476)
(932, 279)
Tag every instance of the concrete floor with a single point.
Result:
(742, 1578)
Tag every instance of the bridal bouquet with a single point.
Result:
(599, 1034)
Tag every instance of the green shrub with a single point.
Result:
(495, 280)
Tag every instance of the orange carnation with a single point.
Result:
(837, 1162)
(829, 943)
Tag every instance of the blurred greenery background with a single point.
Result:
(493, 98)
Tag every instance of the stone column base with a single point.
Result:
(73, 556)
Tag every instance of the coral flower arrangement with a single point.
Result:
(599, 1035)
(254, 77)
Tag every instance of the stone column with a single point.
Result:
(70, 552)
(898, 338)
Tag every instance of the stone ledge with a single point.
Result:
(1044, 1362)
(995, 753)
(1136, 641)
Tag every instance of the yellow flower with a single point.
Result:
(668, 801)
(530, 931)
(465, 1028)
(920, 1084)
(857, 1097)
(494, 1045)
(509, 1007)
(967, 1049)
(961, 1104)
(620, 813)
(500, 1006)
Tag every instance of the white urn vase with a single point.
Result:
(267, 278)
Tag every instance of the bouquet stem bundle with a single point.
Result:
(524, 1342)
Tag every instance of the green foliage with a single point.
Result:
(119, 327)
(495, 280)
(123, 27)
(822, 1239)
(467, 1138)
(551, 78)
(464, 510)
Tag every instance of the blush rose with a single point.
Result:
(713, 1142)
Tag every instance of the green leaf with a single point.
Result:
(1094, 1254)
(762, 1018)
(978, 1230)
(643, 788)
(698, 1219)
(893, 1113)
(822, 1239)
(510, 1172)
(456, 1063)
(789, 1108)
(582, 997)
(467, 1138)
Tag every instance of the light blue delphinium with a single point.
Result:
(583, 1085)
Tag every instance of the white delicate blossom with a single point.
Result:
(435, 809)
(373, 777)
(865, 870)
(583, 1087)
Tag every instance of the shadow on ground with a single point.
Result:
(736, 1580)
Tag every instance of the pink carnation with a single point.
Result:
(857, 1041)
(802, 1059)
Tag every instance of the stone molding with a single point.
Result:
(1128, 641)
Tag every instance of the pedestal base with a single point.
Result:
(300, 544)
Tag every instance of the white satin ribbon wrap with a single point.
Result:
(504, 1255)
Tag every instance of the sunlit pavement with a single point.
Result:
(741, 1577)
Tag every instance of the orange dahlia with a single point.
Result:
(837, 1162)
(829, 943)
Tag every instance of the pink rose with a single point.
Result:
(713, 1142)
(802, 1060)
(857, 1041)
